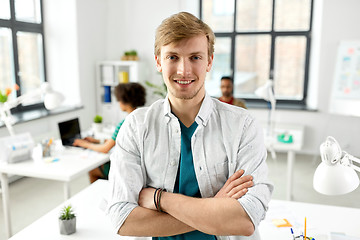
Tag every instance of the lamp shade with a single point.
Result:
(265, 91)
(335, 179)
(53, 99)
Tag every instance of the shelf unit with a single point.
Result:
(108, 75)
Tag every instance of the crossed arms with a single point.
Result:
(220, 215)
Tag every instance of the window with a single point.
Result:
(258, 40)
(22, 48)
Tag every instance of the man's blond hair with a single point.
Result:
(181, 26)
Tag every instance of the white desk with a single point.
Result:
(91, 221)
(72, 163)
(297, 132)
(320, 220)
(93, 224)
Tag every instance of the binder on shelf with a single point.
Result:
(123, 77)
(107, 94)
(107, 74)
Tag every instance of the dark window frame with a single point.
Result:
(274, 34)
(16, 26)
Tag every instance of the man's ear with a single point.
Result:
(158, 63)
(208, 68)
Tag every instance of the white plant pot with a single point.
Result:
(97, 127)
(67, 227)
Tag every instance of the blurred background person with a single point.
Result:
(130, 96)
(227, 93)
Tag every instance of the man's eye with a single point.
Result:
(171, 57)
(196, 58)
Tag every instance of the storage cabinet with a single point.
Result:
(109, 75)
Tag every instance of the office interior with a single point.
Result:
(80, 33)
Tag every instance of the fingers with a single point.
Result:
(240, 189)
(76, 142)
(239, 181)
(239, 194)
(233, 177)
(236, 186)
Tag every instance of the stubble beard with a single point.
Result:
(190, 96)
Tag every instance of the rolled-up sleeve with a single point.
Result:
(126, 177)
(252, 158)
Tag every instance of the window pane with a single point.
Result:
(252, 63)
(292, 15)
(28, 11)
(253, 15)
(5, 9)
(6, 60)
(289, 69)
(220, 67)
(219, 14)
(30, 61)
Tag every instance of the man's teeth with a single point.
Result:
(183, 81)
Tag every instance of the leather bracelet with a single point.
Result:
(155, 197)
(159, 198)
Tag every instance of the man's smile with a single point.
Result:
(184, 82)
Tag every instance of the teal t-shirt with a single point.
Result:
(117, 130)
(186, 182)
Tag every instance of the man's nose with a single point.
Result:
(184, 68)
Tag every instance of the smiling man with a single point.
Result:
(188, 166)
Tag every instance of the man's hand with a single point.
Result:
(236, 186)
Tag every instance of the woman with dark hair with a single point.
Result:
(130, 96)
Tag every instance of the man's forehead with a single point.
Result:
(194, 45)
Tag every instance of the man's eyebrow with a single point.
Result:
(170, 53)
(198, 53)
(176, 53)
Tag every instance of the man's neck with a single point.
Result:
(186, 109)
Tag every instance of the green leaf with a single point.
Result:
(98, 119)
(67, 213)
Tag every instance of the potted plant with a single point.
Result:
(97, 124)
(67, 220)
(130, 56)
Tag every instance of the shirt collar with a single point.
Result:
(202, 116)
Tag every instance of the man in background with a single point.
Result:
(227, 93)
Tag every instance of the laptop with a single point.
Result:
(69, 131)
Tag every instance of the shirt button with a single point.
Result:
(177, 130)
(200, 168)
(173, 163)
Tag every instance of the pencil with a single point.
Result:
(305, 230)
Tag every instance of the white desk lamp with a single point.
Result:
(267, 93)
(52, 100)
(336, 173)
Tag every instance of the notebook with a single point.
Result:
(69, 131)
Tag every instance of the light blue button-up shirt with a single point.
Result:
(147, 153)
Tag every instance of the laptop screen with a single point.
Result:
(69, 131)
